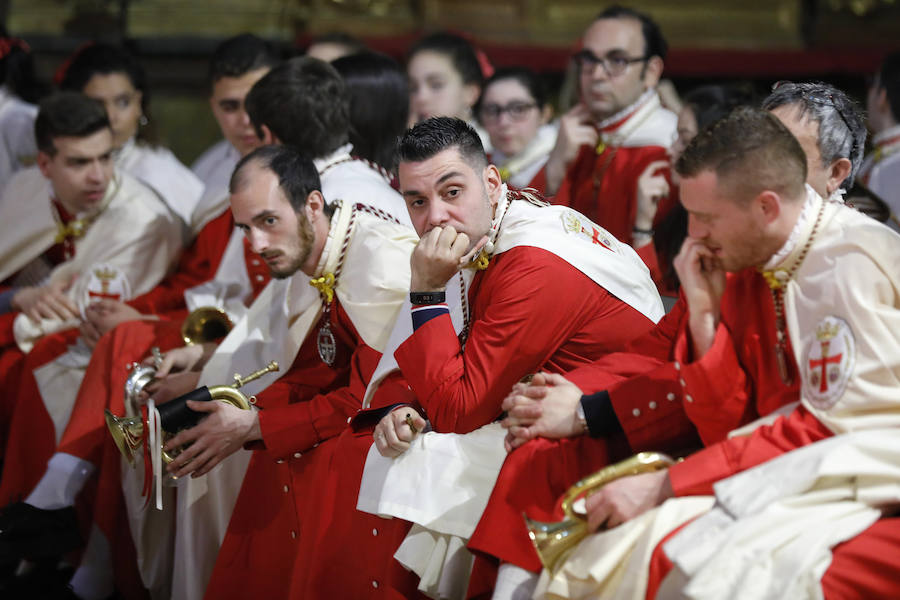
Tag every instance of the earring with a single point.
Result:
(143, 120)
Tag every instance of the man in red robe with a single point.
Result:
(803, 246)
(617, 131)
(152, 319)
(469, 333)
(648, 394)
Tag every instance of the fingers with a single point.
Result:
(598, 510)
(536, 392)
(473, 253)
(401, 418)
(90, 333)
(525, 414)
(168, 362)
(204, 406)
(52, 305)
(520, 435)
(555, 380)
(386, 439)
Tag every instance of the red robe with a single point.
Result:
(32, 440)
(603, 185)
(86, 435)
(659, 403)
(520, 324)
(301, 413)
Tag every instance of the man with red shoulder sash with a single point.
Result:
(649, 394)
(617, 131)
(485, 310)
(793, 523)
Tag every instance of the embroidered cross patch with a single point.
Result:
(829, 361)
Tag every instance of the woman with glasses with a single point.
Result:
(446, 75)
(514, 111)
(112, 76)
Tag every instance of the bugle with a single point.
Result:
(554, 541)
(128, 432)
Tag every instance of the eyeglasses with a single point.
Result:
(613, 63)
(517, 111)
(824, 99)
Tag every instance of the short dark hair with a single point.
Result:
(304, 103)
(104, 59)
(67, 114)
(750, 151)
(433, 136)
(461, 53)
(889, 79)
(654, 42)
(17, 70)
(842, 132)
(711, 102)
(525, 76)
(239, 55)
(297, 175)
(375, 125)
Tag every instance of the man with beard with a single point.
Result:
(218, 269)
(831, 271)
(355, 259)
(484, 312)
(639, 394)
(618, 130)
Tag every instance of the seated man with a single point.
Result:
(64, 210)
(358, 266)
(474, 328)
(218, 269)
(647, 395)
(236, 64)
(69, 245)
(831, 269)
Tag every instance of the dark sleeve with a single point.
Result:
(6, 297)
(601, 419)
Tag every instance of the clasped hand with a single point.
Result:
(543, 408)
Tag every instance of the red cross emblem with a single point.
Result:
(823, 363)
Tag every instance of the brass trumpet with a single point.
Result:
(175, 415)
(205, 324)
(554, 541)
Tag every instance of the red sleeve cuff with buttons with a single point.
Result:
(716, 388)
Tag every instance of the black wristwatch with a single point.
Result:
(419, 298)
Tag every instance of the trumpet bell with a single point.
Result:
(205, 324)
(127, 433)
(554, 541)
